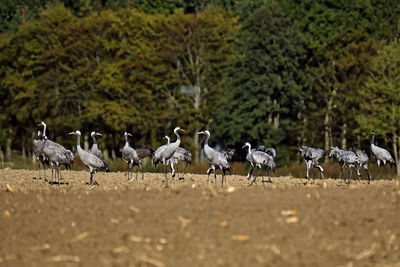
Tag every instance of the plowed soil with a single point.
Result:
(289, 222)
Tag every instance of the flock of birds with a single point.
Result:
(51, 153)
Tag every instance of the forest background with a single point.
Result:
(277, 73)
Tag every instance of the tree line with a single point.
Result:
(279, 73)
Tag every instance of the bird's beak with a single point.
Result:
(200, 133)
(129, 134)
(182, 130)
(39, 124)
(99, 134)
(72, 133)
(244, 146)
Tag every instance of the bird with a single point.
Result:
(95, 149)
(311, 156)
(50, 145)
(92, 162)
(38, 146)
(259, 158)
(143, 152)
(363, 160)
(381, 155)
(216, 159)
(130, 156)
(56, 156)
(180, 154)
(346, 158)
(165, 152)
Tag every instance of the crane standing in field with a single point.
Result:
(59, 154)
(346, 158)
(130, 156)
(165, 152)
(180, 154)
(95, 148)
(92, 162)
(363, 160)
(143, 152)
(311, 156)
(381, 155)
(259, 158)
(38, 146)
(216, 159)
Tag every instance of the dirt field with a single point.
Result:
(120, 223)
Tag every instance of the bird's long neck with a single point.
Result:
(78, 142)
(206, 140)
(178, 137)
(44, 130)
(249, 146)
(372, 139)
(126, 141)
(94, 140)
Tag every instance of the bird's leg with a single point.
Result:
(341, 170)
(166, 177)
(223, 176)
(177, 170)
(250, 172)
(369, 176)
(44, 171)
(349, 180)
(91, 184)
(308, 165)
(208, 175)
(378, 175)
(254, 179)
(184, 169)
(172, 169)
(215, 177)
(359, 174)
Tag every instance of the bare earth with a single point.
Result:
(287, 222)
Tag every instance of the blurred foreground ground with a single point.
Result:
(289, 222)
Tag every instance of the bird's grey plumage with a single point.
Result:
(363, 160)
(92, 162)
(381, 155)
(142, 152)
(165, 152)
(95, 148)
(229, 153)
(259, 158)
(346, 158)
(269, 150)
(312, 156)
(130, 155)
(216, 159)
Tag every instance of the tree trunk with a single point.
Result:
(277, 116)
(396, 146)
(197, 98)
(8, 148)
(344, 132)
(23, 151)
(86, 142)
(327, 122)
(105, 154)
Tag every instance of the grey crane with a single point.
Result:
(38, 146)
(259, 159)
(381, 155)
(95, 148)
(165, 152)
(130, 156)
(143, 152)
(51, 148)
(216, 159)
(180, 154)
(311, 156)
(346, 158)
(363, 160)
(92, 162)
(57, 157)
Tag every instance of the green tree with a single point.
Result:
(380, 108)
(267, 87)
(200, 47)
